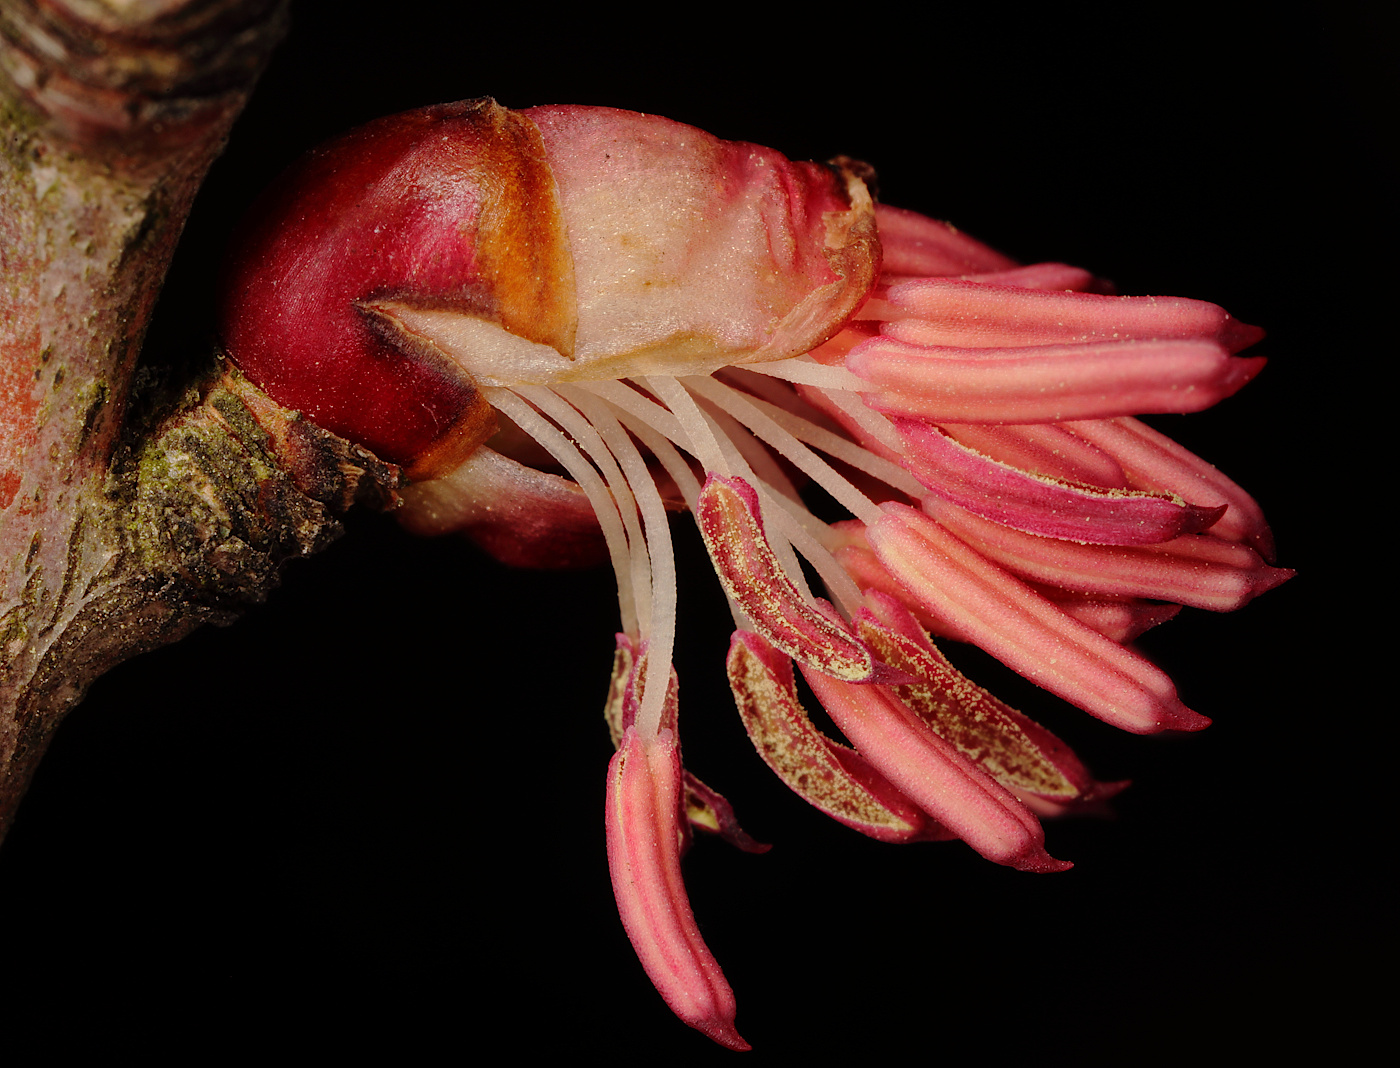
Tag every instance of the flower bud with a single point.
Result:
(393, 273)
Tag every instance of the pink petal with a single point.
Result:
(828, 776)
(1048, 384)
(930, 772)
(728, 516)
(976, 315)
(1195, 569)
(1154, 461)
(643, 823)
(1050, 507)
(1023, 630)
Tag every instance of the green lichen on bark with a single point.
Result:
(213, 488)
(114, 537)
(208, 499)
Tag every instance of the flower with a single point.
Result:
(569, 323)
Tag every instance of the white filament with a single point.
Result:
(589, 481)
(807, 372)
(843, 449)
(703, 443)
(875, 425)
(662, 636)
(747, 412)
(628, 402)
(642, 407)
(732, 434)
(760, 460)
(725, 449)
(768, 502)
(795, 524)
(587, 435)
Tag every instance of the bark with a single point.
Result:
(125, 524)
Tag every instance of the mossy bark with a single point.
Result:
(123, 530)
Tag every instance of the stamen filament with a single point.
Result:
(604, 507)
(843, 449)
(666, 423)
(554, 406)
(743, 409)
(703, 444)
(762, 464)
(641, 406)
(876, 426)
(658, 444)
(793, 523)
(662, 558)
(653, 424)
(807, 372)
(733, 452)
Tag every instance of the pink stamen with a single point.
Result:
(859, 561)
(1194, 569)
(628, 685)
(1047, 384)
(1053, 276)
(708, 810)
(1050, 507)
(976, 315)
(917, 245)
(729, 520)
(1044, 449)
(1156, 462)
(644, 831)
(1015, 750)
(829, 777)
(934, 775)
(1117, 619)
(1023, 630)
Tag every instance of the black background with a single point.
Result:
(367, 817)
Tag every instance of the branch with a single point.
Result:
(123, 530)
